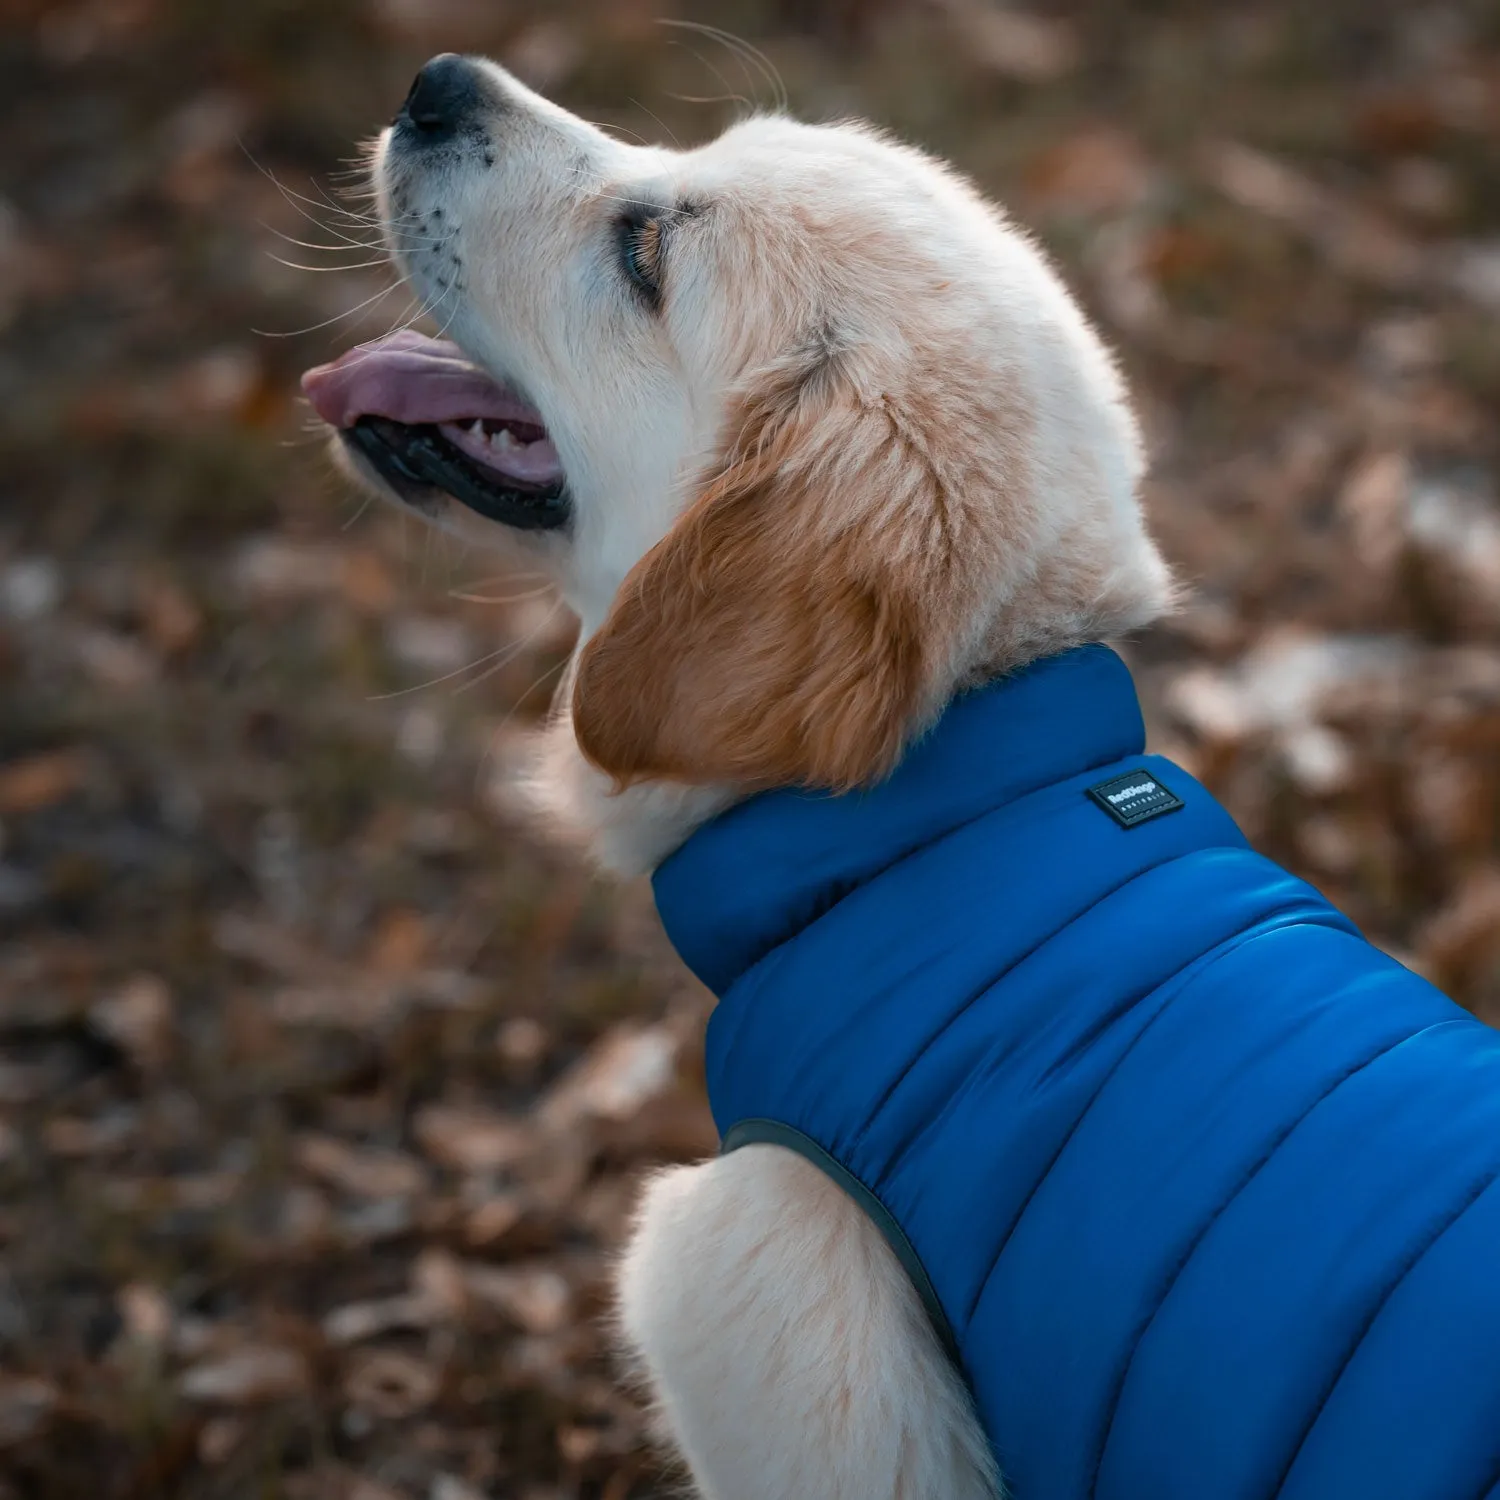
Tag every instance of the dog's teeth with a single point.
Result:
(476, 427)
(503, 439)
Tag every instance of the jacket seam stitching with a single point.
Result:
(1000, 978)
(1197, 971)
(1413, 1261)
(1196, 1243)
(1270, 921)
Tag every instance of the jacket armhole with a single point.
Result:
(774, 1133)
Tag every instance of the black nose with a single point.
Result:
(444, 96)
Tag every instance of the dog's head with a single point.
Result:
(808, 434)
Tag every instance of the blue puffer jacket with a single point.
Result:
(1203, 1189)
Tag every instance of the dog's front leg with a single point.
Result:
(787, 1351)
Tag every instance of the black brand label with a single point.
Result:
(1135, 797)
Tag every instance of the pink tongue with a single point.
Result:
(408, 377)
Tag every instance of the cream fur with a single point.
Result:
(930, 409)
(787, 1349)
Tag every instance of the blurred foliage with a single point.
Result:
(323, 1083)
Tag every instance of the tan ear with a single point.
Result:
(790, 629)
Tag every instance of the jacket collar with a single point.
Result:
(756, 875)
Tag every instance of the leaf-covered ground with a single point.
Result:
(323, 1083)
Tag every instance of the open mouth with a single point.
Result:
(427, 419)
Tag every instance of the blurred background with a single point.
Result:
(323, 1083)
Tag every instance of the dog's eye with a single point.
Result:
(640, 254)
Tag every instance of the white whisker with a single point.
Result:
(659, 121)
(293, 265)
(531, 687)
(520, 598)
(343, 249)
(727, 97)
(520, 646)
(421, 687)
(745, 53)
(297, 333)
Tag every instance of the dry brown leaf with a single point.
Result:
(450, 1487)
(269, 946)
(138, 1018)
(70, 1135)
(672, 1126)
(363, 1488)
(1460, 945)
(197, 1191)
(431, 644)
(472, 1138)
(332, 1481)
(145, 1314)
(273, 569)
(1374, 500)
(578, 1444)
(490, 1221)
(1013, 43)
(1459, 525)
(625, 1068)
(391, 1385)
(361, 1172)
(357, 1321)
(347, 1006)
(437, 1276)
(400, 942)
(534, 1296)
(1396, 123)
(366, 581)
(246, 1377)
(1353, 238)
(1284, 682)
(522, 1041)
(219, 1437)
(1100, 169)
(225, 381)
(25, 1404)
(115, 661)
(22, 1082)
(30, 587)
(173, 622)
(41, 780)
(438, 1293)
(1474, 270)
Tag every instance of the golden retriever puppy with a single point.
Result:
(812, 439)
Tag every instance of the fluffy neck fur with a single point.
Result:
(629, 831)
